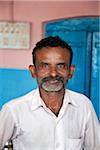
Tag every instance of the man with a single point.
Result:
(50, 117)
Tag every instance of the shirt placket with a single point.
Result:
(59, 136)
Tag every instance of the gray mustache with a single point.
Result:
(49, 78)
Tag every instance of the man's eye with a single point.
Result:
(61, 66)
(45, 66)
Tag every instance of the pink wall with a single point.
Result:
(37, 13)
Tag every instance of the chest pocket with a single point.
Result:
(74, 144)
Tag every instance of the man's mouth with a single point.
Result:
(52, 84)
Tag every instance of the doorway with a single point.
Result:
(83, 35)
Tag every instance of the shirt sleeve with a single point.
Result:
(92, 132)
(6, 125)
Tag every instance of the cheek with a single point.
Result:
(64, 73)
(41, 72)
(40, 75)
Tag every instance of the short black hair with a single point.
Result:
(51, 42)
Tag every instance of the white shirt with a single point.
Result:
(32, 126)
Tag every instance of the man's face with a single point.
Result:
(52, 68)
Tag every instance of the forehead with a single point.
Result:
(53, 53)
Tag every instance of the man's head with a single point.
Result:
(52, 59)
(51, 42)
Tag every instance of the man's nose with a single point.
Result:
(53, 71)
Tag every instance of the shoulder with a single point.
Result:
(80, 99)
(20, 101)
(15, 109)
(83, 104)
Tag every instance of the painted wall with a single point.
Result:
(38, 12)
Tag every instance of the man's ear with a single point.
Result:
(71, 71)
(32, 70)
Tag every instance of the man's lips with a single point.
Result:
(52, 81)
(52, 84)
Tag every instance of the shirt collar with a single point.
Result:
(70, 99)
(38, 102)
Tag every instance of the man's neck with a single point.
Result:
(53, 100)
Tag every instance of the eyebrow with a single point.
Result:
(59, 63)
